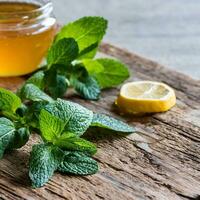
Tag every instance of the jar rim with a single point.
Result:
(43, 5)
(16, 21)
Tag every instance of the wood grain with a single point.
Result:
(160, 162)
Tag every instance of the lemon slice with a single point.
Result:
(146, 97)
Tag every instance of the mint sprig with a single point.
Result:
(71, 62)
(62, 124)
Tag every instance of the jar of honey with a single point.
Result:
(27, 29)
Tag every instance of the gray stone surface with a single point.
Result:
(165, 31)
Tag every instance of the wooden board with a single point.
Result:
(161, 163)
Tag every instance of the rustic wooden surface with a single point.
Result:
(161, 163)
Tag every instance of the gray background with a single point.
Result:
(167, 31)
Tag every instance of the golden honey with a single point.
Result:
(26, 32)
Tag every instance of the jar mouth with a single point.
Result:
(20, 19)
(42, 6)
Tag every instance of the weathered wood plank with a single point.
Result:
(162, 162)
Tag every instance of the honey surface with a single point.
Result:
(22, 50)
(14, 7)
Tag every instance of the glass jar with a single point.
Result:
(27, 29)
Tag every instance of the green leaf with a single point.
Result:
(89, 52)
(7, 134)
(21, 112)
(106, 122)
(59, 87)
(56, 85)
(79, 164)
(114, 73)
(76, 117)
(63, 52)
(20, 139)
(87, 31)
(37, 79)
(84, 84)
(70, 141)
(92, 66)
(33, 112)
(50, 126)
(10, 138)
(33, 93)
(9, 101)
(44, 160)
(87, 87)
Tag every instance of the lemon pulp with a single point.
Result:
(146, 97)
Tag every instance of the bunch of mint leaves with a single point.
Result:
(71, 62)
(61, 124)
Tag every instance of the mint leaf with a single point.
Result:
(21, 112)
(87, 87)
(33, 93)
(21, 137)
(9, 101)
(89, 52)
(114, 73)
(70, 141)
(62, 52)
(84, 84)
(44, 160)
(76, 117)
(10, 138)
(92, 66)
(33, 112)
(57, 86)
(50, 126)
(87, 31)
(106, 122)
(78, 163)
(7, 134)
(37, 79)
